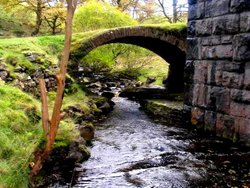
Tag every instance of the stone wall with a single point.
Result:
(217, 71)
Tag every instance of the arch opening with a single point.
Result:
(169, 46)
(170, 53)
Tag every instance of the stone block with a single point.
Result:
(189, 71)
(191, 28)
(200, 95)
(232, 80)
(193, 48)
(229, 127)
(217, 52)
(211, 72)
(197, 116)
(192, 12)
(240, 109)
(228, 24)
(218, 99)
(224, 51)
(219, 72)
(200, 13)
(220, 124)
(239, 5)
(211, 40)
(236, 67)
(240, 96)
(245, 22)
(247, 76)
(191, 2)
(208, 52)
(241, 46)
(205, 41)
(225, 126)
(208, 9)
(203, 27)
(219, 7)
(243, 126)
(227, 39)
(200, 72)
(188, 94)
(210, 120)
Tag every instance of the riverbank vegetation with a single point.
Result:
(20, 135)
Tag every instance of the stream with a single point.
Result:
(131, 150)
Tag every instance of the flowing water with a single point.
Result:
(130, 150)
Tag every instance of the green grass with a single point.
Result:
(158, 68)
(20, 133)
(46, 50)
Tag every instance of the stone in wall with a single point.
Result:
(247, 78)
(245, 22)
(216, 7)
(218, 99)
(239, 5)
(219, 48)
(200, 95)
(203, 27)
(210, 120)
(241, 46)
(193, 48)
(228, 24)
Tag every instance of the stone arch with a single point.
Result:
(168, 44)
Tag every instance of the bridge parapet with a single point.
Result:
(172, 36)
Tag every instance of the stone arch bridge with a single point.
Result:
(217, 68)
(168, 43)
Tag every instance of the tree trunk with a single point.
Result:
(39, 9)
(175, 16)
(56, 116)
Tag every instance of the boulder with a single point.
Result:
(144, 93)
(87, 132)
(108, 94)
(150, 80)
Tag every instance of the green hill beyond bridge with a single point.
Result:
(167, 42)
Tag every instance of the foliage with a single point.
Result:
(141, 63)
(157, 68)
(10, 25)
(19, 135)
(95, 15)
(138, 9)
(55, 18)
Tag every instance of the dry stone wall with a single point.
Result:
(217, 71)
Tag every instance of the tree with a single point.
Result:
(178, 10)
(139, 9)
(55, 17)
(37, 6)
(50, 126)
(98, 15)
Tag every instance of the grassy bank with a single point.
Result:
(20, 134)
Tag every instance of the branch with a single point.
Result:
(161, 3)
(45, 112)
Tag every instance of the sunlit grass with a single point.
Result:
(157, 68)
(20, 134)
